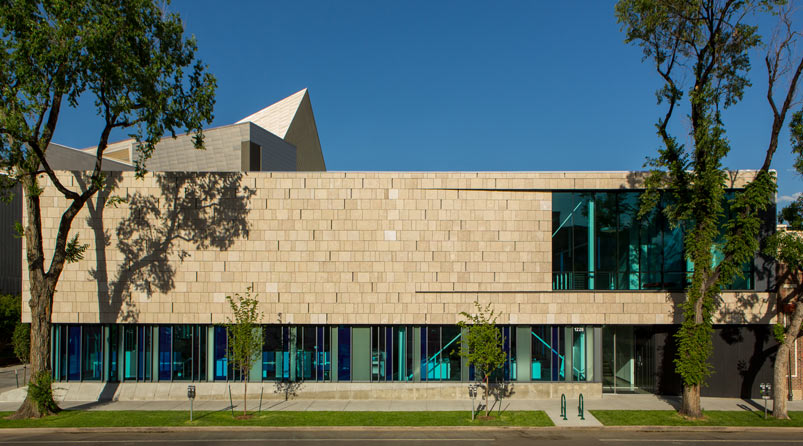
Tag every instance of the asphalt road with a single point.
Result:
(403, 437)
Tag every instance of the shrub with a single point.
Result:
(41, 392)
(22, 341)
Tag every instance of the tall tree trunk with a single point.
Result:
(42, 289)
(779, 387)
(690, 406)
(781, 370)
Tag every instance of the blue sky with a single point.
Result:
(448, 85)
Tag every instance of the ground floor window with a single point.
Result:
(324, 353)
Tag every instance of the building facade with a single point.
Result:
(362, 278)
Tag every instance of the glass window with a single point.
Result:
(439, 352)
(305, 353)
(182, 352)
(60, 346)
(165, 347)
(144, 352)
(272, 352)
(379, 357)
(450, 336)
(628, 241)
(562, 240)
(508, 370)
(625, 251)
(558, 354)
(323, 353)
(92, 352)
(542, 352)
(343, 353)
(200, 355)
(606, 214)
(219, 351)
(74, 352)
(114, 353)
(579, 363)
(129, 352)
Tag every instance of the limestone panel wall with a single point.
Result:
(338, 248)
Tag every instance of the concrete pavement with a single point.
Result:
(11, 376)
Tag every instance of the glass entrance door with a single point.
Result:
(628, 359)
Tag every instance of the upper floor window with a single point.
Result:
(600, 243)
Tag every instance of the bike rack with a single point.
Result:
(563, 406)
(580, 408)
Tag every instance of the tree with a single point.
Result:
(701, 50)
(10, 316)
(21, 340)
(131, 59)
(793, 214)
(787, 248)
(483, 345)
(244, 336)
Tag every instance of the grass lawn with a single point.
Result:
(710, 418)
(76, 418)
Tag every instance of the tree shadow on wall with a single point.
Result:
(190, 211)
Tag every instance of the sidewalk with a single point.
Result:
(551, 407)
(9, 378)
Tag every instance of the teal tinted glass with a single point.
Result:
(92, 353)
(600, 242)
(182, 352)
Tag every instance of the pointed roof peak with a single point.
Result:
(276, 118)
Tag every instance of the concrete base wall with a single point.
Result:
(94, 391)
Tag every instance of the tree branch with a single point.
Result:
(49, 170)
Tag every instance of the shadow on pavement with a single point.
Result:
(673, 401)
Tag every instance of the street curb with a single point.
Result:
(164, 429)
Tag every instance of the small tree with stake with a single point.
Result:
(244, 336)
(483, 346)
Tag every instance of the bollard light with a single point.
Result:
(191, 396)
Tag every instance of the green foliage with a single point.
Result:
(778, 332)
(483, 344)
(10, 314)
(74, 251)
(796, 139)
(787, 248)
(740, 418)
(10, 327)
(793, 214)
(40, 389)
(701, 52)
(19, 230)
(21, 341)
(244, 333)
(115, 200)
(274, 418)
